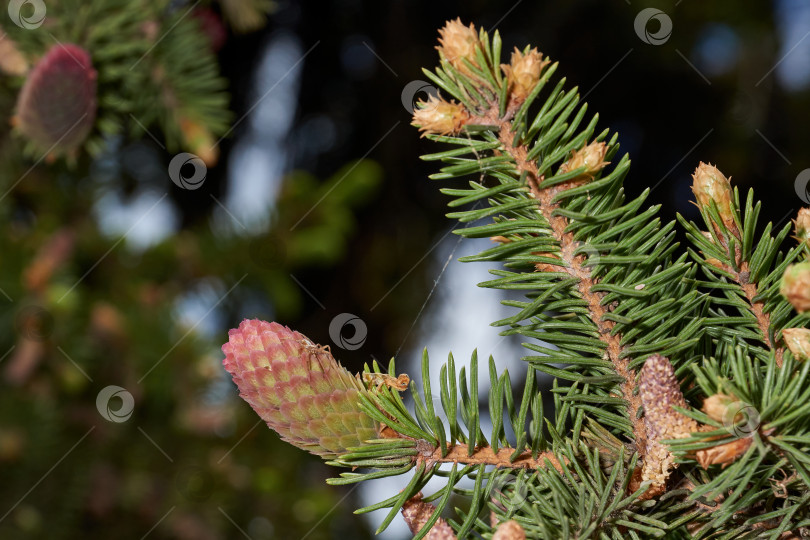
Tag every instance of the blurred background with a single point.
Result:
(169, 168)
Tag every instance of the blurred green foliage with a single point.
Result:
(85, 310)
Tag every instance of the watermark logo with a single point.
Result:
(416, 91)
(509, 491)
(590, 253)
(744, 109)
(642, 26)
(801, 185)
(187, 171)
(194, 483)
(28, 14)
(337, 331)
(104, 405)
(34, 323)
(741, 419)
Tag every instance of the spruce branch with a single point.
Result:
(504, 457)
(552, 223)
(728, 254)
(146, 60)
(571, 260)
(634, 341)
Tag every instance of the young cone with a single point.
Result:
(439, 116)
(798, 341)
(718, 407)
(56, 107)
(458, 43)
(796, 286)
(591, 156)
(298, 388)
(710, 185)
(523, 72)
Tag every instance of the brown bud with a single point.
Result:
(49, 258)
(199, 140)
(548, 267)
(709, 184)
(716, 263)
(723, 454)
(524, 72)
(107, 323)
(12, 62)
(417, 512)
(439, 116)
(500, 239)
(802, 226)
(509, 530)
(457, 43)
(796, 286)
(12, 444)
(798, 341)
(592, 157)
(719, 406)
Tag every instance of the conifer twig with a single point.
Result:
(757, 308)
(572, 264)
(485, 454)
(713, 190)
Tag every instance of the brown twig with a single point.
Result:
(485, 454)
(758, 309)
(574, 265)
(459, 453)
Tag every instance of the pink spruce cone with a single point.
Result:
(56, 107)
(298, 388)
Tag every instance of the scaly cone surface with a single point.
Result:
(56, 107)
(298, 388)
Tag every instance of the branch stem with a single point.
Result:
(486, 455)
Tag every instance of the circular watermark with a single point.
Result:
(801, 185)
(741, 419)
(34, 323)
(642, 22)
(591, 254)
(509, 491)
(194, 483)
(110, 414)
(28, 14)
(416, 91)
(187, 171)
(358, 333)
(744, 109)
